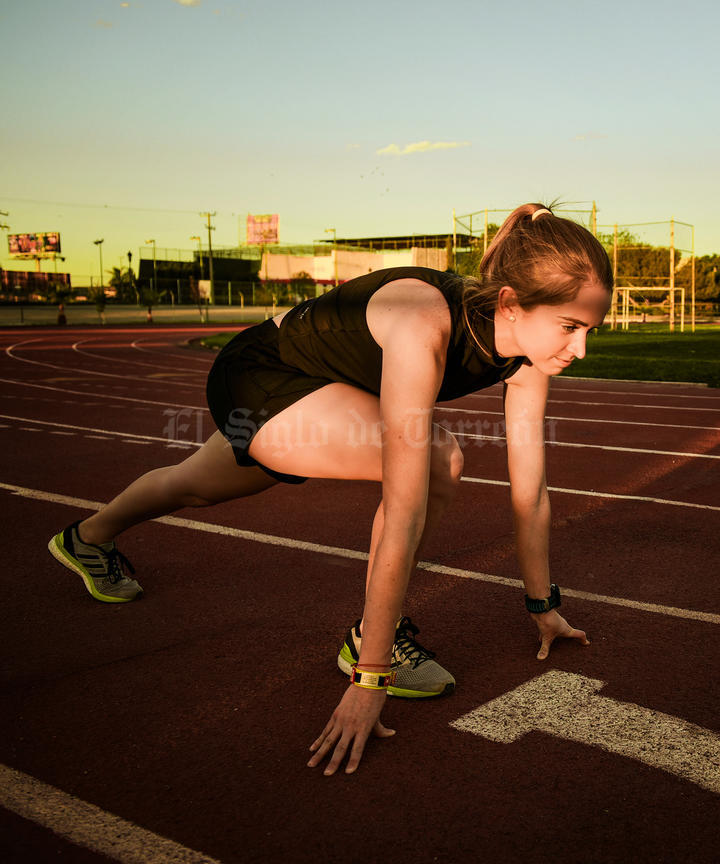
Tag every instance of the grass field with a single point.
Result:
(645, 353)
(649, 353)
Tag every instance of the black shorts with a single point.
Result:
(248, 384)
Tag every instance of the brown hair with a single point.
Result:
(545, 260)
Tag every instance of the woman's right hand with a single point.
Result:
(550, 626)
(352, 722)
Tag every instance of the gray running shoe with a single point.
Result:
(418, 675)
(101, 567)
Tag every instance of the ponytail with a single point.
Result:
(545, 260)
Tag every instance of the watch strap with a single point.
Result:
(545, 604)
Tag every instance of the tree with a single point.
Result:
(707, 277)
(123, 281)
(302, 286)
(150, 297)
(100, 300)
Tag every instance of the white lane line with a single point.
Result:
(86, 825)
(76, 347)
(95, 395)
(146, 439)
(141, 439)
(551, 444)
(592, 494)
(188, 356)
(437, 407)
(636, 384)
(587, 419)
(567, 705)
(29, 428)
(289, 543)
(9, 352)
(602, 404)
(556, 385)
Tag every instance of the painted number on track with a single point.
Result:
(568, 706)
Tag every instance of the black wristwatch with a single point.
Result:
(545, 605)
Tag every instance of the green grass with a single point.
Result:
(651, 353)
(645, 353)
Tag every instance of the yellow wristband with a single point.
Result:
(371, 680)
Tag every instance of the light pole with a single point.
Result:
(154, 245)
(99, 243)
(335, 262)
(199, 242)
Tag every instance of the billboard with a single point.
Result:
(43, 245)
(262, 230)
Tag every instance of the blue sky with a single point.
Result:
(124, 120)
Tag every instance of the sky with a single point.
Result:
(125, 120)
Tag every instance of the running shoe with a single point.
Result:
(418, 675)
(102, 567)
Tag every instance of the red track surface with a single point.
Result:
(190, 713)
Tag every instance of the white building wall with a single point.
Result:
(349, 263)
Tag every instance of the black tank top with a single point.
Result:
(328, 336)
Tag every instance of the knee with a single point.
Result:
(180, 488)
(446, 468)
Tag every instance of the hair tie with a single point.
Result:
(538, 212)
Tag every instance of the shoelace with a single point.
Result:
(116, 565)
(406, 645)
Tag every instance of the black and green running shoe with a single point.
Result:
(418, 675)
(102, 567)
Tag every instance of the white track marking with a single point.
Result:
(588, 420)
(146, 439)
(555, 385)
(437, 407)
(602, 404)
(339, 551)
(76, 347)
(104, 395)
(592, 494)
(142, 439)
(86, 825)
(136, 345)
(568, 706)
(9, 352)
(551, 444)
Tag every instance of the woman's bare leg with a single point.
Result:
(209, 476)
(446, 466)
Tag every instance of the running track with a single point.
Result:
(176, 728)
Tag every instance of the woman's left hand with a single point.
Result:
(551, 625)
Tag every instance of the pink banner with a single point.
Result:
(262, 230)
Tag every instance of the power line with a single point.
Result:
(98, 206)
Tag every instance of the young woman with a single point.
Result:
(343, 386)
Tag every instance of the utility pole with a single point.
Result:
(335, 261)
(210, 227)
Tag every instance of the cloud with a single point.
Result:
(590, 136)
(420, 147)
(105, 25)
(188, 2)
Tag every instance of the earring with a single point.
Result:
(512, 317)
